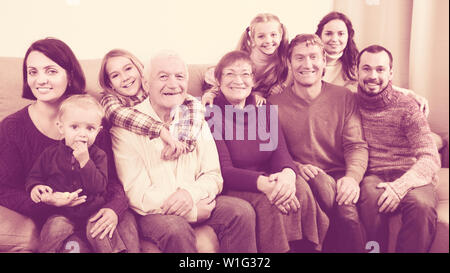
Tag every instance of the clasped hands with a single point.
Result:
(280, 189)
(180, 203)
(173, 148)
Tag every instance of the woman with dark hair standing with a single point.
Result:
(51, 73)
(337, 34)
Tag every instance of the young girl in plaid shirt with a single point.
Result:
(121, 76)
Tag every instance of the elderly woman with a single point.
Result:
(256, 165)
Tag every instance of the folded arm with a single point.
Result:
(425, 151)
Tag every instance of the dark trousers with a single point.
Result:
(418, 212)
(346, 233)
(233, 221)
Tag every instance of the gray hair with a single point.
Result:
(162, 54)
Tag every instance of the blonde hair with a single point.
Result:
(276, 72)
(245, 42)
(84, 101)
(103, 77)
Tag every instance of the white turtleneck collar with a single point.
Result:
(332, 59)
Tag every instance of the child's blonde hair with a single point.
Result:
(84, 101)
(103, 77)
(278, 71)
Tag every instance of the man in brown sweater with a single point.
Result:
(323, 132)
(403, 158)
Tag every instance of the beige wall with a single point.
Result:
(200, 30)
(429, 66)
(387, 23)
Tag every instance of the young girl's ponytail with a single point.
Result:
(245, 41)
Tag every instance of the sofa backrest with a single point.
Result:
(11, 82)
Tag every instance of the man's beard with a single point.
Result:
(371, 94)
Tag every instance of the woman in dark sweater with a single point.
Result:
(256, 165)
(51, 72)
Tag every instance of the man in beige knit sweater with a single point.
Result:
(171, 195)
(403, 158)
(323, 132)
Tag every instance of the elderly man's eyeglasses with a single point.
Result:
(231, 75)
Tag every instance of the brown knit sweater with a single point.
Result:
(325, 132)
(399, 138)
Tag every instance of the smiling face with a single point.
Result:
(334, 36)
(307, 64)
(267, 37)
(123, 75)
(374, 72)
(237, 82)
(79, 124)
(167, 82)
(46, 79)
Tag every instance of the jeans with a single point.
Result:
(346, 233)
(59, 234)
(125, 238)
(233, 221)
(419, 216)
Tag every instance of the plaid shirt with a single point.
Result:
(118, 110)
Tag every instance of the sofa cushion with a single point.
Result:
(11, 86)
(443, 184)
(18, 234)
(441, 242)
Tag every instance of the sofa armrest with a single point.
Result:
(444, 153)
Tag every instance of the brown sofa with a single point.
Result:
(11, 101)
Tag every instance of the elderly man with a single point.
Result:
(173, 195)
(323, 132)
(403, 158)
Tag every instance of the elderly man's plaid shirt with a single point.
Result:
(118, 110)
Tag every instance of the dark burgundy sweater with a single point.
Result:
(21, 143)
(243, 160)
(57, 168)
